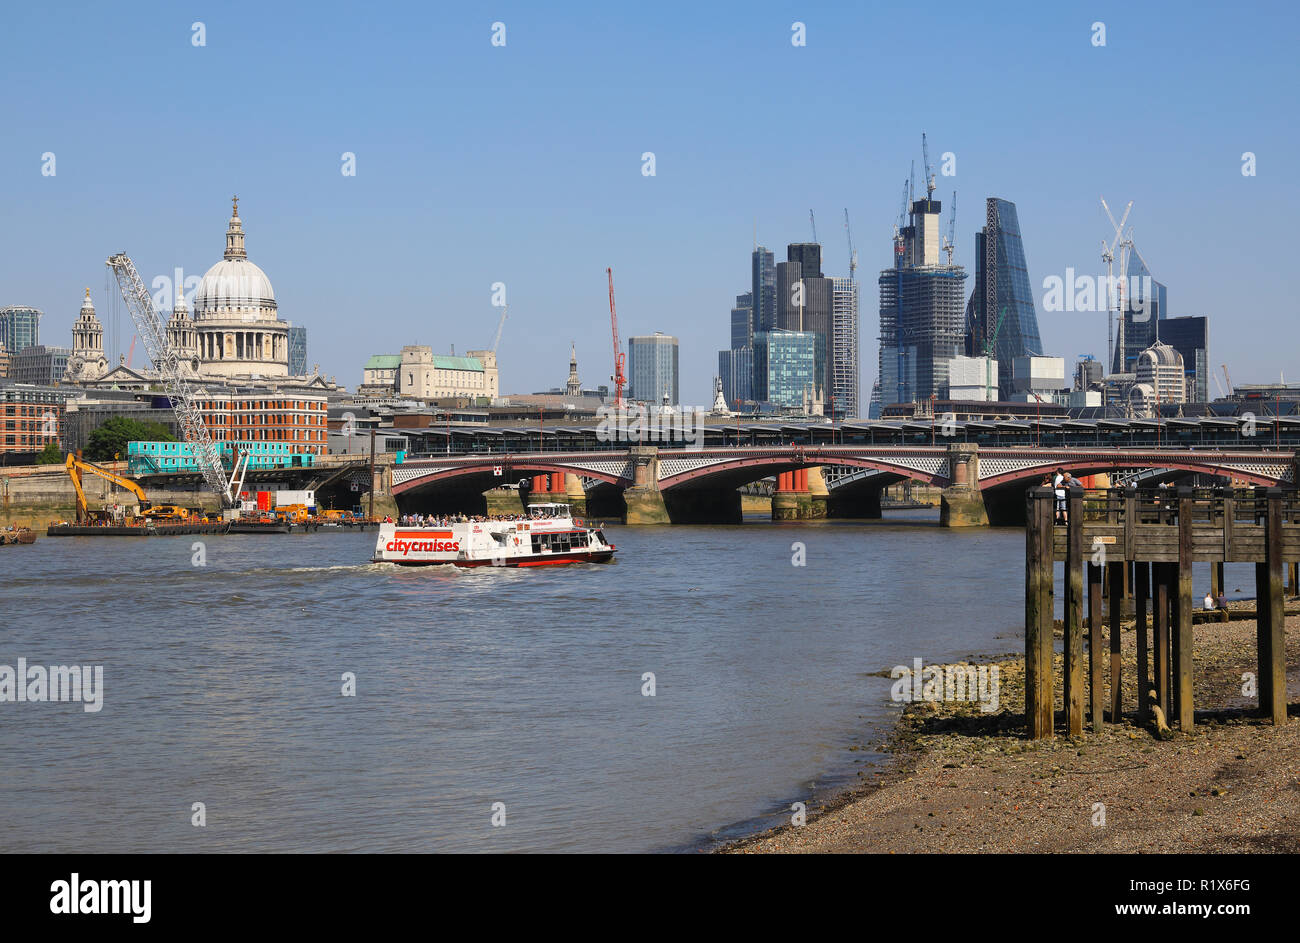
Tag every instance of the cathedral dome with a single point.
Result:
(235, 288)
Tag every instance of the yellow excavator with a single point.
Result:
(162, 512)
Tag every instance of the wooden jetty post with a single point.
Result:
(1270, 614)
(1183, 623)
(1095, 682)
(1160, 631)
(1141, 590)
(1115, 575)
(1073, 644)
(1039, 536)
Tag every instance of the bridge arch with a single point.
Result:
(1094, 466)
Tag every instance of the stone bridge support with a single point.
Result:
(962, 502)
(645, 502)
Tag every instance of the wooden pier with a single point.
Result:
(1153, 537)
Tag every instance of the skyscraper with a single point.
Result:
(763, 290)
(742, 321)
(652, 368)
(20, 327)
(297, 351)
(805, 299)
(789, 368)
(1001, 313)
(845, 376)
(1190, 337)
(920, 311)
(736, 369)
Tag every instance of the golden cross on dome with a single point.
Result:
(235, 200)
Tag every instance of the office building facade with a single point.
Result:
(652, 368)
(742, 321)
(762, 290)
(736, 370)
(1190, 336)
(790, 368)
(20, 328)
(845, 377)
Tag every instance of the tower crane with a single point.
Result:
(167, 361)
(929, 177)
(1108, 256)
(902, 221)
(853, 253)
(619, 378)
(1227, 378)
(948, 244)
(989, 346)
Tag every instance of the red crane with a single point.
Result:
(619, 378)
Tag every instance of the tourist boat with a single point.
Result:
(547, 535)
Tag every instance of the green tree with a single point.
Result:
(110, 438)
(50, 455)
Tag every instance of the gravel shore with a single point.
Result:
(966, 781)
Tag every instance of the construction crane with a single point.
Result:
(989, 347)
(813, 220)
(167, 361)
(902, 221)
(76, 466)
(619, 378)
(1108, 256)
(948, 244)
(853, 253)
(500, 325)
(929, 177)
(1227, 378)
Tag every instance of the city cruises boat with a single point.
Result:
(547, 535)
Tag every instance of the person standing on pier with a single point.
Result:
(1058, 482)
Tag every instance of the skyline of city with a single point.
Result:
(505, 190)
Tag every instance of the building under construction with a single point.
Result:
(922, 308)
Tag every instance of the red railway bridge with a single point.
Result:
(645, 484)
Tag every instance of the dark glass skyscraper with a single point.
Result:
(1001, 312)
(763, 289)
(1190, 336)
(742, 321)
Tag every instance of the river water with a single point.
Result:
(222, 685)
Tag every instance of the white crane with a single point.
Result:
(1108, 256)
(167, 361)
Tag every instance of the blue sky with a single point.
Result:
(521, 164)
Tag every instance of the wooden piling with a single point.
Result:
(1038, 612)
(1160, 627)
(1183, 630)
(1073, 644)
(1115, 575)
(1216, 580)
(1141, 589)
(1095, 676)
(1271, 615)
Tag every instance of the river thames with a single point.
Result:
(520, 696)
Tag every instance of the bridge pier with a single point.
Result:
(961, 504)
(645, 502)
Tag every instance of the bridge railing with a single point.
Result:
(1211, 506)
